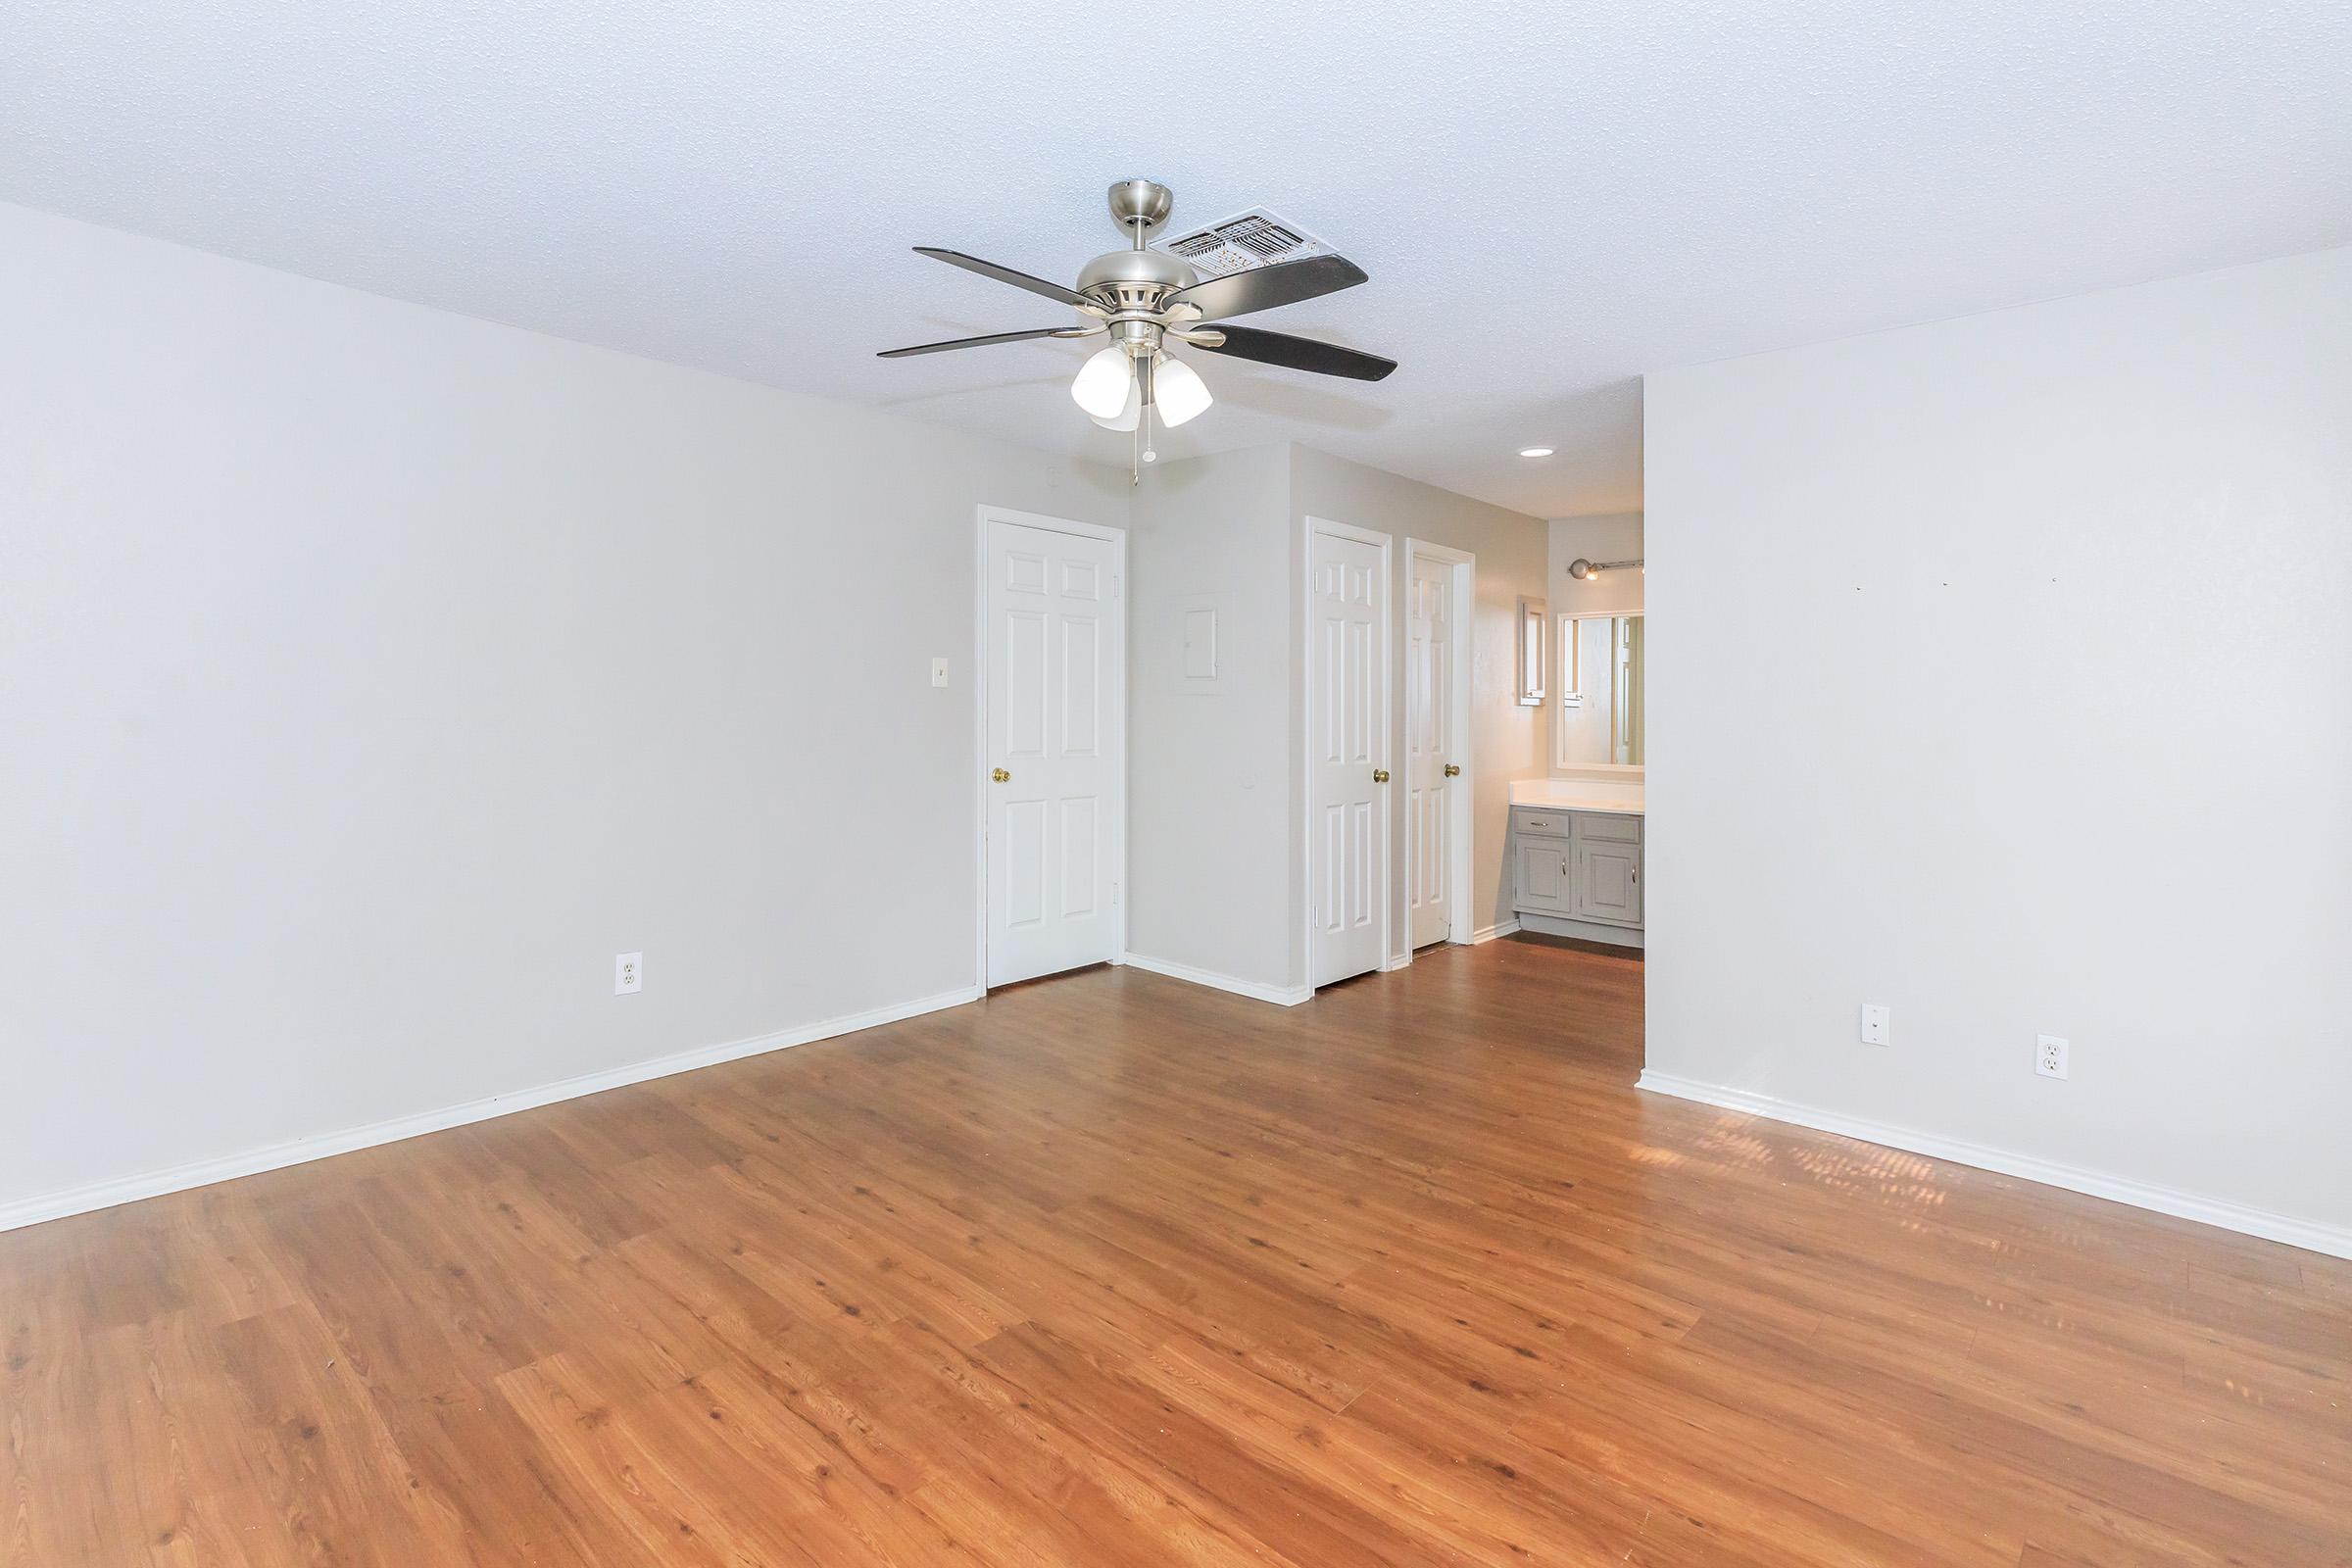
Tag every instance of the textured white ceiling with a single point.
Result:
(1550, 199)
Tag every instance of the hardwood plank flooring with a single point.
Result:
(1114, 1270)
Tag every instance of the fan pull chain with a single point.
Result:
(1136, 439)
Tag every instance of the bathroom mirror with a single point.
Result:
(1599, 722)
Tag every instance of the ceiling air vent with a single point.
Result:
(1256, 238)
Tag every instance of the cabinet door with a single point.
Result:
(1608, 881)
(1541, 876)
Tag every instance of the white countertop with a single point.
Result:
(1579, 795)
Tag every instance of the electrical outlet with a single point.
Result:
(1877, 1023)
(939, 673)
(628, 973)
(2049, 1055)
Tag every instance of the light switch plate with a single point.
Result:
(1877, 1023)
(939, 673)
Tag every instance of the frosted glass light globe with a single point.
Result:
(1129, 413)
(1178, 393)
(1105, 382)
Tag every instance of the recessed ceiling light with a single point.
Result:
(1535, 452)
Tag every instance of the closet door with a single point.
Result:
(1055, 738)
(1347, 736)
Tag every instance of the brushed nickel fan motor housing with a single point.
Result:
(1135, 283)
(1141, 274)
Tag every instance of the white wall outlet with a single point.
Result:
(1877, 1023)
(939, 673)
(2049, 1055)
(628, 973)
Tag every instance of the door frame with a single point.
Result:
(1383, 626)
(1462, 583)
(986, 518)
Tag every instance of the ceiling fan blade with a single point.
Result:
(1003, 274)
(1262, 288)
(993, 337)
(1297, 352)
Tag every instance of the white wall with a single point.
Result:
(1209, 819)
(373, 676)
(1949, 612)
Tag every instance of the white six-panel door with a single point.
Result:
(1055, 734)
(1346, 713)
(1428, 747)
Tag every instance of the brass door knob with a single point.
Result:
(1001, 776)
(1453, 771)
(1380, 776)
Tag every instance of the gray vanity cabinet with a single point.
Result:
(1572, 869)
(1608, 881)
(1545, 875)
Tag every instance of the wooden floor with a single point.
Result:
(1117, 1271)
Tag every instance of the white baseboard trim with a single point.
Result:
(2139, 1194)
(276, 1156)
(1487, 933)
(1280, 996)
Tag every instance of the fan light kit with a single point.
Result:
(1142, 300)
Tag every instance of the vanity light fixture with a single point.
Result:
(1583, 570)
(1535, 452)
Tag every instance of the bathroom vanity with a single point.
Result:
(1576, 860)
(1575, 838)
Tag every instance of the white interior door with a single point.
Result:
(1057, 700)
(1429, 748)
(1347, 708)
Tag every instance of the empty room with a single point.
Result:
(801, 787)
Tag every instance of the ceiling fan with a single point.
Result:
(1146, 299)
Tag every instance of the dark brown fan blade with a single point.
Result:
(993, 337)
(1299, 353)
(1003, 274)
(1284, 284)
